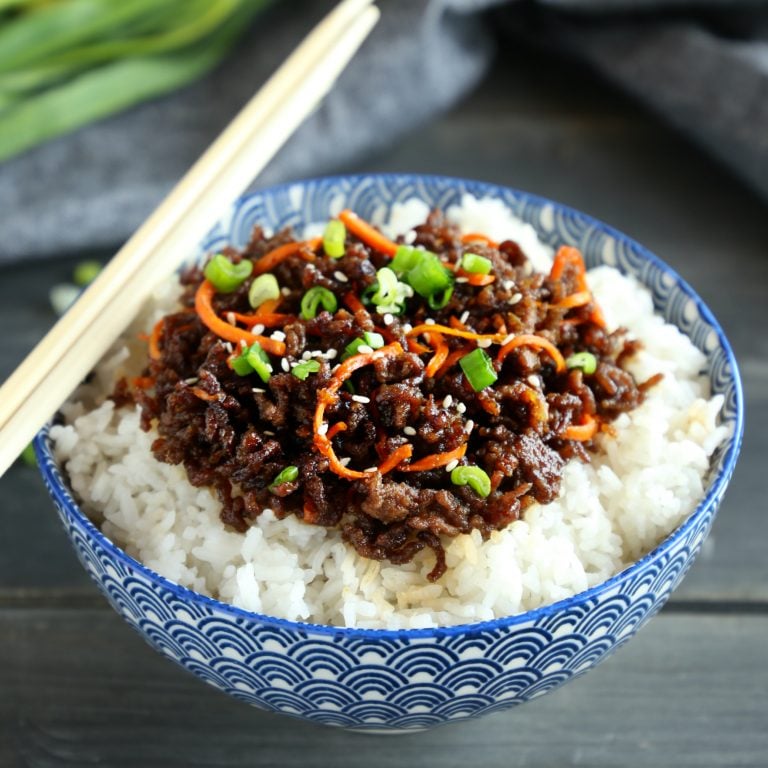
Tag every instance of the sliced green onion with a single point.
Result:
(258, 359)
(478, 368)
(474, 477)
(584, 360)
(304, 368)
(405, 258)
(262, 289)
(241, 366)
(86, 272)
(312, 300)
(225, 275)
(288, 475)
(429, 276)
(389, 294)
(333, 239)
(373, 340)
(476, 265)
(438, 302)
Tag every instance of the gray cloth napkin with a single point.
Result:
(705, 72)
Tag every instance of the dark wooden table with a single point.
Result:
(78, 688)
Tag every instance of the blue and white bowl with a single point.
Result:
(379, 680)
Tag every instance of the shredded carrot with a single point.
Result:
(329, 395)
(477, 279)
(303, 249)
(414, 346)
(367, 233)
(154, 339)
(441, 353)
(339, 426)
(476, 237)
(567, 255)
(454, 322)
(400, 454)
(582, 432)
(269, 306)
(143, 382)
(353, 302)
(532, 340)
(497, 338)
(204, 308)
(578, 299)
(436, 460)
(452, 359)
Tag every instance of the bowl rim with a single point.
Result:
(54, 477)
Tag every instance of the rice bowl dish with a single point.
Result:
(644, 479)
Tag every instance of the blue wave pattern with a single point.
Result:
(411, 680)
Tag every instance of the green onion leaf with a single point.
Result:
(86, 272)
(429, 276)
(263, 288)
(252, 359)
(474, 477)
(304, 368)
(405, 258)
(288, 475)
(389, 294)
(478, 368)
(225, 275)
(333, 239)
(313, 298)
(438, 302)
(476, 265)
(240, 366)
(584, 360)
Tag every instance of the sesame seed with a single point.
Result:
(451, 465)
(258, 329)
(469, 426)
(410, 431)
(269, 367)
(316, 353)
(464, 316)
(268, 433)
(462, 279)
(305, 355)
(507, 339)
(515, 299)
(429, 321)
(335, 368)
(344, 461)
(361, 399)
(228, 347)
(231, 318)
(533, 380)
(388, 319)
(258, 391)
(242, 344)
(285, 291)
(285, 365)
(447, 401)
(371, 469)
(407, 328)
(364, 349)
(340, 276)
(322, 429)
(484, 343)
(410, 237)
(277, 336)
(331, 354)
(191, 381)
(508, 285)
(461, 408)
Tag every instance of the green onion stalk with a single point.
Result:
(67, 63)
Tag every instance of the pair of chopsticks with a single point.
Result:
(53, 369)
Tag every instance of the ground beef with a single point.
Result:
(236, 433)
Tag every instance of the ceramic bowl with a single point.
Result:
(378, 680)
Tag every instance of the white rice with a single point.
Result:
(646, 481)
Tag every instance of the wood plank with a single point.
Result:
(79, 688)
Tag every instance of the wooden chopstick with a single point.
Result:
(53, 369)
